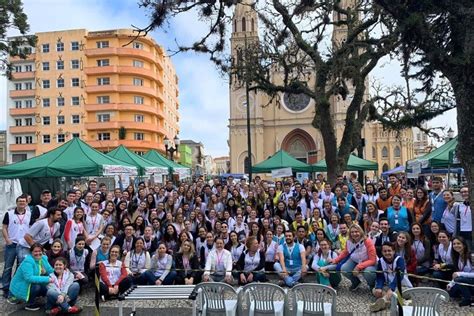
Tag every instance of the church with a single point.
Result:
(288, 126)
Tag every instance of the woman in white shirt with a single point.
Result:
(137, 261)
(160, 272)
(321, 265)
(443, 261)
(464, 272)
(218, 264)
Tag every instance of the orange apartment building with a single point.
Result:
(106, 87)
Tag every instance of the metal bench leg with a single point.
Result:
(194, 307)
(133, 308)
(120, 308)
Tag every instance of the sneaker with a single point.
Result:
(281, 283)
(355, 285)
(74, 310)
(53, 311)
(32, 307)
(13, 300)
(465, 303)
(378, 305)
(102, 297)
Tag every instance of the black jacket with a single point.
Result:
(241, 262)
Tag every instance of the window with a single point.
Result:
(75, 135)
(374, 153)
(137, 45)
(28, 68)
(397, 152)
(103, 62)
(28, 104)
(28, 121)
(74, 45)
(18, 68)
(60, 64)
(18, 122)
(138, 136)
(137, 82)
(19, 157)
(28, 85)
(46, 65)
(18, 104)
(45, 48)
(75, 101)
(102, 44)
(60, 83)
(46, 139)
(244, 26)
(60, 101)
(46, 102)
(18, 140)
(60, 119)
(103, 99)
(103, 117)
(103, 81)
(75, 64)
(60, 47)
(139, 118)
(75, 82)
(18, 86)
(103, 136)
(384, 152)
(46, 84)
(29, 139)
(138, 63)
(46, 120)
(140, 153)
(61, 138)
(75, 119)
(138, 100)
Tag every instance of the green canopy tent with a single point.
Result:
(144, 166)
(174, 167)
(441, 157)
(72, 159)
(281, 159)
(353, 164)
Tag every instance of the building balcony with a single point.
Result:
(22, 147)
(22, 111)
(23, 75)
(30, 57)
(130, 144)
(123, 51)
(22, 129)
(135, 126)
(126, 89)
(124, 70)
(22, 93)
(125, 107)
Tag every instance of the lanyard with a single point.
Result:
(135, 260)
(60, 282)
(186, 263)
(437, 196)
(219, 258)
(93, 219)
(51, 231)
(24, 214)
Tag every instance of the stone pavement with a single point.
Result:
(348, 304)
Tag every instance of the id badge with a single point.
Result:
(291, 262)
(396, 222)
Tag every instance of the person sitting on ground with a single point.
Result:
(31, 279)
(137, 261)
(56, 251)
(291, 262)
(114, 278)
(187, 265)
(77, 261)
(160, 272)
(251, 263)
(464, 272)
(321, 265)
(218, 266)
(63, 291)
(386, 284)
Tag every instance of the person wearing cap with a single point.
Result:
(40, 210)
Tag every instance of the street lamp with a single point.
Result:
(169, 147)
(450, 134)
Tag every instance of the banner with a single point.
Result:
(283, 172)
(156, 170)
(112, 170)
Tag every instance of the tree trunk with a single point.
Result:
(462, 82)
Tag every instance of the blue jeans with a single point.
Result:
(368, 273)
(21, 253)
(36, 290)
(151, 278)
(72, 293)
(294, 274)
(10, 256)
(465, 291)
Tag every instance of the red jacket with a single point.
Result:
(105, 278)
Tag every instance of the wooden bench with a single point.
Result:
(158, 292)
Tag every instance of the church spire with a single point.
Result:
(245, 20)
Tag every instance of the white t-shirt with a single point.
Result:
(41, 233)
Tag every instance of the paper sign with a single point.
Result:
(283, 172)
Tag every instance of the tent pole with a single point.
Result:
(449, 173)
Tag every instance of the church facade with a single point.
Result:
(287, 125)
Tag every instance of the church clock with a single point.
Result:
(296, 102)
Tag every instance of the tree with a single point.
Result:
(294, 40)
(13, 17)
(437, 39)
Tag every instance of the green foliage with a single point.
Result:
(13, 17)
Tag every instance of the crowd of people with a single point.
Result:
(237, 232)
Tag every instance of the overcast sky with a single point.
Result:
(204, 98)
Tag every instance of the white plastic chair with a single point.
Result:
(425, 301)
(313, 299)
(262, 299)
(215, 298)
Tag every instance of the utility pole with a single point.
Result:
(247, 100)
